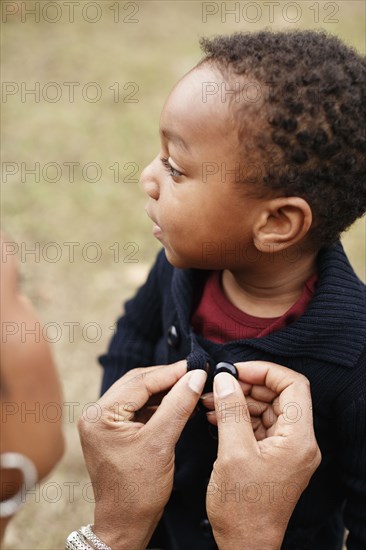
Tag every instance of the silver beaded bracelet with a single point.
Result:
(92, 537)
(76, 542)
(79, 540)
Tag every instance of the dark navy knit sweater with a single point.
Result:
(327, 344)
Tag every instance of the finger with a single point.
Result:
(295, 418)
(207, 400)
(269, 417)
(256, 408)
(134, 372)
(176, 408)
(293, 390)
(130, 394)
(260, 432)
(256, 422)
(211, 417)
(247, 388)
(262, 393)
(263, 373)
(233, 418)
(258, 428)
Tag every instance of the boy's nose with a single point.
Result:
(148, 180)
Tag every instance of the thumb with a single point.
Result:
(233, 417)
(176, 407)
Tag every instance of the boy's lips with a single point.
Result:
(157, 232)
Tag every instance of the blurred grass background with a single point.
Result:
(153, 52)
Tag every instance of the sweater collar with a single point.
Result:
(333, 328)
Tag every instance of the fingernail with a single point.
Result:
(207, 395)
(197, 380)
(224, 384)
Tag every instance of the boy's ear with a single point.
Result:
(282, 222)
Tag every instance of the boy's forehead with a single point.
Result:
(190, 111)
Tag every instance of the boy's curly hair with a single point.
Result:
(313, 140)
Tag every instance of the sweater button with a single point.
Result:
(173, 337)
(226, 367)
(205, 526)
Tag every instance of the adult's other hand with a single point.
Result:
(131, 463)
(255, 485)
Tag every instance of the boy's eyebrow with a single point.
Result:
(175, 138)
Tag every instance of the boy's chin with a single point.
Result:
(177, 261)
(183, 262)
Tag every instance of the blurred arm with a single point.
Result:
(28, 385)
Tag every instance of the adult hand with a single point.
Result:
(255, 485)
(260, 401)
(131, 463)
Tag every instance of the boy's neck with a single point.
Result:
(268, 288)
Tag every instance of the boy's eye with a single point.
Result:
(172, 171)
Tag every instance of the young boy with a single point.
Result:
(261, 168)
